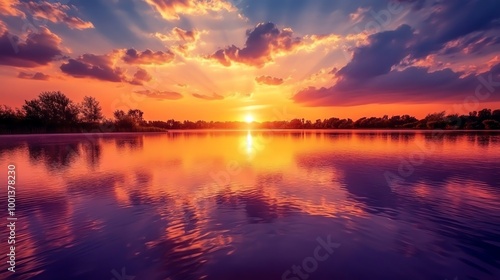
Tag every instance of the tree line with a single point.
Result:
(54, 112)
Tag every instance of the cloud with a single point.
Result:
(446, 21)
(186, 39)
(186, 35)
(38, 49)
(56, 13)
(3, 27)
(8, 8)
(383, 51)
(474, 44)
(262, 44)
(448, 27)
(266, 42)
(268, 80)
(101, 67)
(133, 56)
(171, 9)
(387, 68)
(214, 96)
(36, 76)
(140, 77)
(411, 85)
(163, 95)
(104, 67)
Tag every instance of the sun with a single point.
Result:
(249, 118)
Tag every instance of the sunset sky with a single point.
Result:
(271, 59)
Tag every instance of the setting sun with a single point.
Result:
(249, 119)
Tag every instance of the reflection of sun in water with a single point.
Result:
(249, 118)
(249, 142)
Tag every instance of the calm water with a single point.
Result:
(256, 205)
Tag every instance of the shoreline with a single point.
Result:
(389, 130)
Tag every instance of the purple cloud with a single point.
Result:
(133, 56)
(99, 67)
(36, 76)
(38, 49)
(140, 77)
(262, 43)
(411, 85)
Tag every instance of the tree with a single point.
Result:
(91, 110)
(53, 108)
(10, 118)
(491, 124)
(136, 116)
(119, 115)
(496, 115)
(484, 114)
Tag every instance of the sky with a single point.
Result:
(271, 59)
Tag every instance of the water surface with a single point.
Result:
(256, 205)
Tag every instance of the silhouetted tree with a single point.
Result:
(91, 110)
(491, 124)
(118, 114)
(136, 116)
(53, 111)
(51, 108)
(496, 115)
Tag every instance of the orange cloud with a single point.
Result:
(268, 80)
(163, 95)
(186, 39)
(186, 35)
(8, 8)
(214, 96)
(171, 9)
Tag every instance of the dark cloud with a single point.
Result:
(411, 85)
(163, 95)
(450, 20)
(448, 27)
(263, 42)
(133, 56)
(38, 49)
(215, 96)
(56, 13)
(140, 77)
(383, 51)
(36, 76)
(99, 67)
(374, 74)
(268, 80)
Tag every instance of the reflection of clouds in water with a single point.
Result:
(144, 202)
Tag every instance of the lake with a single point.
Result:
(255, 205)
